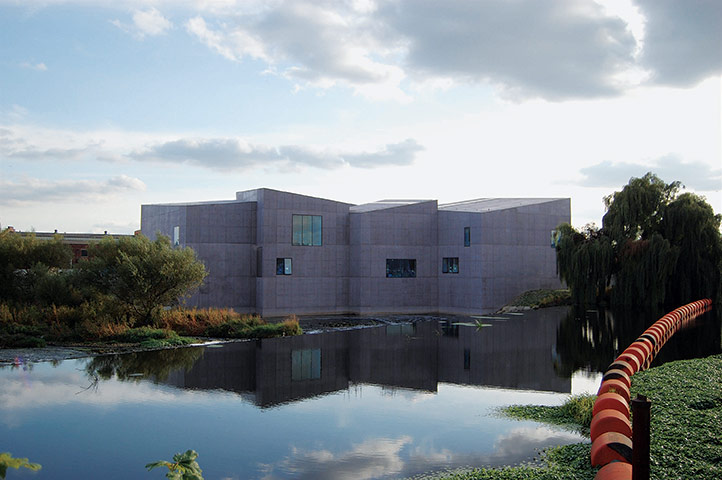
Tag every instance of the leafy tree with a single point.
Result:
(183, 467)
(654, 247)
(141, 275)
(24, 259)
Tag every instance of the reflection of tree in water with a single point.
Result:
(136, 366)
(591, 339)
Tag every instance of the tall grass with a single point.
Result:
(196, 321)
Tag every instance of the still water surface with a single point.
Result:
(382, 402)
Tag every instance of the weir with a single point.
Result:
(617, 447)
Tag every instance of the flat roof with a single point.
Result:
(493, 204)
(384, 204)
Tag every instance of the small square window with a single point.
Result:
(283, 266)
(83, 252)
(467, 236)
(450, 265)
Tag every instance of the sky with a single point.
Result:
(108, 105)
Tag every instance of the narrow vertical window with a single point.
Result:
(176, 235)
(307, 230)
(467, 359)
(297, 230)
(467, 236)
(316, 228)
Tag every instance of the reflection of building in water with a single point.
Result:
(517, 353)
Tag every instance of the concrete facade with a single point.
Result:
(346, 269)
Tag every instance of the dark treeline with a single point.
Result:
(655, 247)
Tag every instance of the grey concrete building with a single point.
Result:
(277, 253)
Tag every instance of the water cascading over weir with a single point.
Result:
(611, 430)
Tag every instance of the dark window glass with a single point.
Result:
(467, 359)
(400, 267)
(307, 230)
(467, 236)
(450, 265)
(83, 253)
(283, 266)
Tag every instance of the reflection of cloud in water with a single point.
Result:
(383, 458)
(57, 387)
(375, 458)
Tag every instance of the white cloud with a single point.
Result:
(683, 40)
(148, 22)
(228, 154)
(40, 67)
(37, 190)
(151, 22)
(313, 44)
(695, 175)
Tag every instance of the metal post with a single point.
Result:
(640, 438)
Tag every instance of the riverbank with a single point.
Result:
(308, 325)
(686, 422)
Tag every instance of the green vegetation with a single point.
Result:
(8, 461)
(125, 283)
(139, 277)
(655, 246)
(183, 467)
(686, 421)
(151, 338)
(686, 417)
(542, 298)
(569, 462)
(574, 414)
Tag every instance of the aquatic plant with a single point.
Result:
(8, 461)
(183, 467)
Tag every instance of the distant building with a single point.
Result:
(277, 253)
(78, 242)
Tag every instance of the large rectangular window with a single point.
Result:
(283, 266)
(306, 364)
(450, 265)
(467, 236)
(307, 230)
(400, 267)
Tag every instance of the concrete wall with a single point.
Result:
(223, 237)
(407, 232)
(320, 279)
(240, 241)
(516, 252)
(460, 292)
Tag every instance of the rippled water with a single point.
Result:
(384, 402)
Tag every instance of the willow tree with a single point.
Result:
(654, 247)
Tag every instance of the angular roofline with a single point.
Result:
(385, 205)
(496, 204)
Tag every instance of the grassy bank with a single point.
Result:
(686, 423)
(36, 327)
(534, 299)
